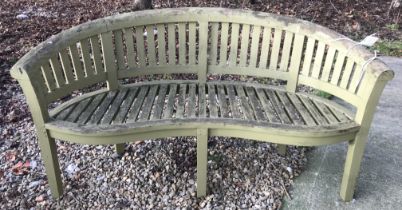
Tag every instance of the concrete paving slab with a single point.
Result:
(379, 185)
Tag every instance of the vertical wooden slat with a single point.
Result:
(161, 44)
(191, 101)
(139, 40)
(266, 39)
(78, 68)
(318, 60)
(168, 113)
(273, 64)
(294, 67)
(160, 102)
(214, 43)
(86, 57)
(96, 53)
(357, 75)
(202, 106)
(114, 107)
(192, 43)
(346, 73)
(234, 42)
(66, 63)
(57, 71)
(329, 60)
(245, 106)
(125, 106)
(340, 60)
(49, 79)
(182, 43)
(119, 48)
(128, 38)
(172, 43)
(245, 37)
(203, 52)
(224, 44)
(255, 40)
(223, 105)
(136, 107)
(286, 51)
(181, 101)
(151, 45)
(109, 58)
(233, 103)
(308, 56)
(147, 106)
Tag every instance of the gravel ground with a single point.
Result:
(158, 173)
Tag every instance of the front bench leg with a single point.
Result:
(202, 161)
(48, 151)
(352, 165)
(119, 148)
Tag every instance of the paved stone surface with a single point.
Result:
(379, 185)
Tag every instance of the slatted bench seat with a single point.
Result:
(200, 43)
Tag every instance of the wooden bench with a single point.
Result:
(201, 43)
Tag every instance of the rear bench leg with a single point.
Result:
(281, 149)
(49, 156)
(202, 153)
(352, 166)
(119, 148)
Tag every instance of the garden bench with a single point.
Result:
(200, 43)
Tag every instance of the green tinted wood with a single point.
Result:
(223, 105)
(181, 101)
(172, 43)
(129, 41)
(161, 44)
(213, 54)
(234, 42)
(136, 106)
(245, 106)
(202, 105)
(268, 108)
(191, 112)
(182, 43)
(148, 103)
(340, 60)
(273, 64)
(84, 117)
(48, 76)
(86, 57)
(245, 37)
(125, 106)
(319, 55)
(255, 104)
(329, 60)
(119, 49)
(114, 107)
(255, 40)
(223, 53)
(233, 102)
(168, 112)
(160, 102)
(308, 56)
(266, 39)
(110, 60)
(151, 54)
(77, 64)
(287, 45)
(96, 54)
(212, 101)
(57, 71)
(67, 66)
(350, 66)
(192, 43)
(139, 41)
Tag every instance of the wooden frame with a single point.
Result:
(114, 48)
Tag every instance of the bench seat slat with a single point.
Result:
(202, 108)
(223, 105)
(147, 106)
(191, 101)
(233, 103)
(313, 111)
(302, 110)
(279, 108)
(99, 113)
(114, 107)
(81, 106)
(135, 109)
(125, 106)
(291, 110)
(269, 109)
(245, 106)
(255, 104)
(181, 101)
(168, 113)
(212, 102)
(160, 102)
(326, 112)
(86, 115)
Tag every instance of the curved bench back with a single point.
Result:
(200, 41)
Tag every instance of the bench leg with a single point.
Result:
(49, 156)
(282, 149)
(352, 166)
(119, 148)
(202, 161)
